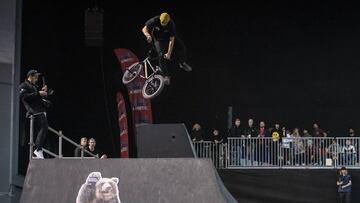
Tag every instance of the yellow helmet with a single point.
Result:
(164, 18)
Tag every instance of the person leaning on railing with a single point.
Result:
(299, 148)
(355, 141)
(310, 151)
(286, 145)
(310, 147)
(333, 151)
(237, 130)
(219, 148)
(238, 147)
(319, 144)
(349, 153)
(91, 148)
(83, 144)
(318, 132)
(217, 138)
(250, 132)
(352, 133)
(261, 152)
(196, 133)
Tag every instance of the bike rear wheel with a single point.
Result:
(153, 86)
(132, 72)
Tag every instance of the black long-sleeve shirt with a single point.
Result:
(251, 131)
(77, 152)
(236, 131)
(31, 98)
(95, 152)
(197, 135)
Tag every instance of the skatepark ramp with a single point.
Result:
(160, 180)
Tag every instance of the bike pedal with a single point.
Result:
(157, 69)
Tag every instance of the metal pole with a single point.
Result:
(279, 154)
(50, 153)
(31, 144)
(230, 115)
(60, 145)
(71, 142)
(227, 157)
(82, 153)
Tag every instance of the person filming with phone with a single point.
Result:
(35, 101)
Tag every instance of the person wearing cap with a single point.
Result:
(32, 98)
(161, 30)
(344, 186)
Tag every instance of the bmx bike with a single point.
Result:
(154, 81)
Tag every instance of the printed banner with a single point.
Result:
(141, 108)
(123, 126)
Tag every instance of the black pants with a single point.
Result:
(274, 152)
(42, 127)
(178, 54)
(345, 197)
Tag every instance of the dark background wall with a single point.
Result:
(282, 186)
(294, 63)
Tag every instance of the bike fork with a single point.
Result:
(146, 72)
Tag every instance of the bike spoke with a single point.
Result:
(133, 72)
(152, 87)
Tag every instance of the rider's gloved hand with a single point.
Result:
(149, 39)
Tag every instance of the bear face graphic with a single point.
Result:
(97, 189)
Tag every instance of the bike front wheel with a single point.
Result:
(132, 72)
(153, 86)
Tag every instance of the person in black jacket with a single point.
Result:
(32, 98)
(83, 144)
(91, 148)
(196, 133)
(237, 146)
(237, 130)
(250, 132)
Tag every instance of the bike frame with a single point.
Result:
(147, 64)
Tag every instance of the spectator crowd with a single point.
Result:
(261, 145)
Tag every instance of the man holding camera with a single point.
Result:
(33, 99)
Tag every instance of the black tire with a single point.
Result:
(153, 86)
(132, 72)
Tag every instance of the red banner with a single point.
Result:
(141, 108)
(123, 126)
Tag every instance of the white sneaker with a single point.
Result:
(39, 154)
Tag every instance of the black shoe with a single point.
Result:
(185, 66)
(167, 80)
